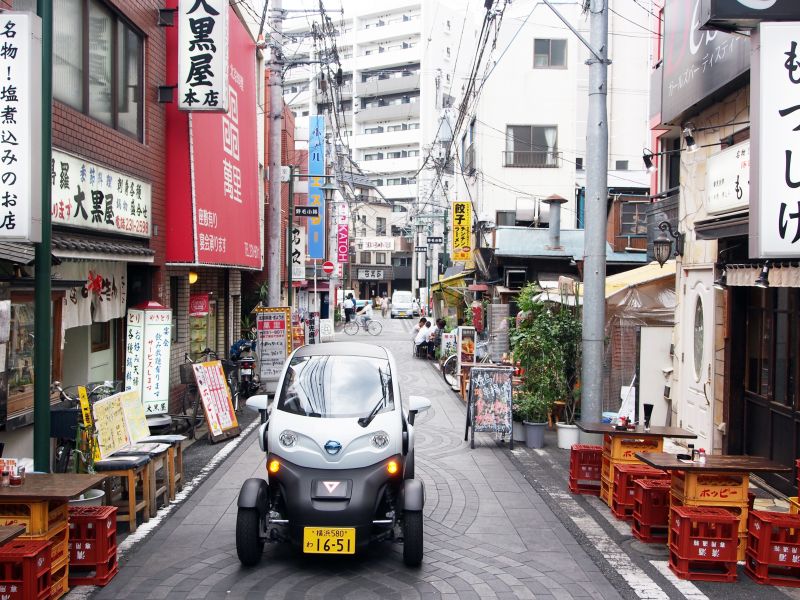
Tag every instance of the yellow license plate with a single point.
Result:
(329, 540)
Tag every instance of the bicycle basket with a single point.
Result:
(63, 421)
(186, 373)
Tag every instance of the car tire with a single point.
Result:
(412, 538)
(249, 545)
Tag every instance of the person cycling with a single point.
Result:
(365, 314)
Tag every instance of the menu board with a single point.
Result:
(135, 418)
(490, 401)
(448, 344)
(109, 423)
(465, 343)
(148, 343)
(216, 399)
(274, 340)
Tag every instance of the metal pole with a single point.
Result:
(274, 158)
(594, 307)
(289, 261)
(43, 318)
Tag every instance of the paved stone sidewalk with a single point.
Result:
(488, 533)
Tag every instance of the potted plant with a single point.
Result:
(517, 426)
(534, 410)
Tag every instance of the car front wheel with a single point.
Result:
(249, 545)
(412, 538)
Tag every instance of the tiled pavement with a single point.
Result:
(488, 533)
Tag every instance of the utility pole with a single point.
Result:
(594, 271)
(275, 115)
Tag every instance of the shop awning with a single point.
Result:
(455, 283)
(640, 276)
(725, 226)
(780, 275)
(92, 248)
(19, 253)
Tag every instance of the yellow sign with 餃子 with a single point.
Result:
(462, 231)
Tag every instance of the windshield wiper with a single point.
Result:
(365, 421)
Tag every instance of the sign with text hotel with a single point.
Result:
(20, 127)
(462, 231)
(775, 165)
(203, 55)
(316, 195)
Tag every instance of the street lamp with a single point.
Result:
(662, 245)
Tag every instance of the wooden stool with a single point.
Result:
(556, 412)
(131, 470)
(174, 460)
(159, 488)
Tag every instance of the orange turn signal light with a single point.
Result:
(273, 466)
(392, 467)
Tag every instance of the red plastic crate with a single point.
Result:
(702, 570)
(25, 570)
(797, 466)
(97, 574)
(774, 538)
(651, 510)
(766, 574)
(92, 534)
(624, 477)
(585, 462)
(703, 533)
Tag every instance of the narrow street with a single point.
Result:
(499, 525)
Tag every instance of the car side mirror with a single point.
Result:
(262, 436)
(417, 404)
(258, 403)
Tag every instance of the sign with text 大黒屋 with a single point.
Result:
(20, 121)
(316, 195)
(462, 231)
(91, 196)
(203, 55)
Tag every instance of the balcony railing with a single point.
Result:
(532, 159)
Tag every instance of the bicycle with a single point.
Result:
(372, 326)
(450, 364)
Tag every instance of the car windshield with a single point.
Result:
(336, 386)
(402, 298)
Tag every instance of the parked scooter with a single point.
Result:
(243, 354)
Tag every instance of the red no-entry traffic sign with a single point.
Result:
(327, 267)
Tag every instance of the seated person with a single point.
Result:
(417, 327)
(436, 334)
(422, 341)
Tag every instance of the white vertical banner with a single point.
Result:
(298, 252)
(147, 348)
(203, 55)
(775, 163)
(20, 127)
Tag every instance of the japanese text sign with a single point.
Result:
(306, 211)
(203, 55)
(728, 179)
(316, 195)
(490, 399)
(147, 343)
(199, 305)
(298, 252)
(216, 397)
(378, 243)
(370, 274)
(462, 231)
(109, 423)
(274, 340)
(775, 168)
(90, 196)
(20, 126)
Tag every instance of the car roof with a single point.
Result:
(343, 349)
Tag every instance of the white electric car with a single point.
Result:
(339, 439)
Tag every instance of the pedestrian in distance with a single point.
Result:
(384, 306)
(349, 308)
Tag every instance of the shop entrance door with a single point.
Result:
(696, 405)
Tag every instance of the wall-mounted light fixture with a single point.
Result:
(691, 145)
(166, 93)
(763, 279)
(193, 277)
(166, 17)
(662, 245)
(721, 282)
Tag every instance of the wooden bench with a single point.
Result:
(132, 471)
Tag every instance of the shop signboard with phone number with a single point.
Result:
(274, 340)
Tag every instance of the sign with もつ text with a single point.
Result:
(203, 55)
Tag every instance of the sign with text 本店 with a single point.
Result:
(274, 341)
(203, 55)
(20, 125)
(775, 165)
(462, 231)
(147, 351)
(91, 196)
(316, 195)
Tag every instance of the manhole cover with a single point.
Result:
(651, 550)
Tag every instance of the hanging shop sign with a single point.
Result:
(203, 55)
(420, 248)
(435, 239)
(728, 179)
(306, 211)
(91, 196)
(462, 231)
(147, 351)
(214, 216)
(298, 252)
(381, 244)
(199, 305)
(342, 235)
(746, 14)
(371, 274)
(274, 342)
(775, 168)
(20, 125)
(316, 195)
(216, 399)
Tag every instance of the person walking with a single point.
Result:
(384, 306)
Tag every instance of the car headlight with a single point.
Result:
(287, 438)
(380, 439)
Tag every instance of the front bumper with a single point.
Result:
(367, 488)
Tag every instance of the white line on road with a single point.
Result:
(687, 588)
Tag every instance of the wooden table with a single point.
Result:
(714, 463)
(9, 532)
(51, 486)
(638, 432)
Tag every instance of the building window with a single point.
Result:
(579, 163)
(380, 258)
(549, 54)
(621, 165)
(366, 258)
(363, 232)
(380, 226)
(101, 336)
(633, 219)
(98, 65)
(506, 218)
(531, 146)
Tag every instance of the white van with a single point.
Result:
(403, 304)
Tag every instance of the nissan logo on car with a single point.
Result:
(332, 447)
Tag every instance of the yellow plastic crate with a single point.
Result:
(704, 489)
(59, 580)
(794, 505)
(38, 517)
(620, 448)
